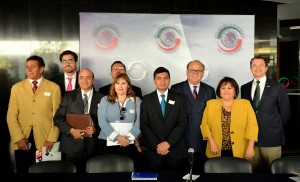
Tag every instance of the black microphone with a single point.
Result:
(191, 155)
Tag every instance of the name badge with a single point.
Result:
(131, 110)
(47, 93)
(171, 102)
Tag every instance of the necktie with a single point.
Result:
(34, 86)
(195, 92)
(69, 87)
(85, 104)
(256, 96)
(163, 104)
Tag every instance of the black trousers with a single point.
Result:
(24, 159)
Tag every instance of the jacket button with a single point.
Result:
(232, 132)
(232, 143)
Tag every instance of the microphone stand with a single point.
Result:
(191, 172)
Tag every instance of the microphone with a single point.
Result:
(191, 155)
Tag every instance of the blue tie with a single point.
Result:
(163, 104)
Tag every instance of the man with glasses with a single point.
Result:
(116, 68)
(196, 95)
(67, 81)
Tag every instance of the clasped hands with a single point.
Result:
(78, 133)
(163, 148)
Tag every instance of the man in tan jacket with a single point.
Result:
(33, 103)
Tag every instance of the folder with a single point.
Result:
(79, 121)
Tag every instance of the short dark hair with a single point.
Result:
(259, 57)
(117, 62)
(160, 70)
(228, 80)
(39, 59)
(66, 52)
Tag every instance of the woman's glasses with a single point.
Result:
(122, 113)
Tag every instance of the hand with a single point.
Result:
(123, 140)
(77, 133)
(163, 148)
(90, 130)
(49, 146)
(249, 153)
(137, 145)
(22, 144)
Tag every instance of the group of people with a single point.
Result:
(170, 119)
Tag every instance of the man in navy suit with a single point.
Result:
(195, 105)
(116, 68)
(163, 129)
(73, 145)
(272, 113)
(69, 63)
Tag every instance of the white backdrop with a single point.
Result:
(143, 42)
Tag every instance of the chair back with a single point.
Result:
(52, 167)
(227, 165)
(285, 165)
(110, 163)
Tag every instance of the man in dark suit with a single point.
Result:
(73, 145)
(195, 105)
(272, 113)
(163, 129)
(67, 81)
(116, 68)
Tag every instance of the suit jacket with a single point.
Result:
(60, 80)
(137, 90)
(72, 103)
(157, 129)
(272, 113)
(195, 109)
(243, 125)
(33, 111)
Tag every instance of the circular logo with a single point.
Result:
(137, 71)
(168, 37)
(106, 37)
(230, 38)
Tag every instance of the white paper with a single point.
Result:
(122, 129)
(53, 155)
(187, 177)
(296, 178)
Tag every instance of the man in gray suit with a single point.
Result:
(272, 113)
(196, 95)
(73, 145)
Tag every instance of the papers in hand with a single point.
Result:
(144, 176)
(53, 155)
(122, 129)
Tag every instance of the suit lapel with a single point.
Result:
(79, 101)
(42, 86)
(93, 102)
(154, 98)
(187, 91)
(266, 91)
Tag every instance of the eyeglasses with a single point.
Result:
(118, 68)
(122, 113)
(196, 71)
(68, 61)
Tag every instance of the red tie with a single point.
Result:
(195, 92)
(34, 86)
(69, 87)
